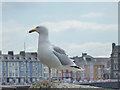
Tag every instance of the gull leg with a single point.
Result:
(49, 74)
(57, 77)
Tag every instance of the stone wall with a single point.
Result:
(114, 85)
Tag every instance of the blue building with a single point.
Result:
(20, 68)
(23, 68)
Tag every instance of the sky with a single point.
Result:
(76, 27)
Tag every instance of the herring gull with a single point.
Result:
(52, 56)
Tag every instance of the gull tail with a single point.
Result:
(76, 68)
(72, 68)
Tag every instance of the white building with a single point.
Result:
(23, 68)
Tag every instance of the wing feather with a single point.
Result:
(61, 55)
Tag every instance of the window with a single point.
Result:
(33, 64)
(36, 74)
(22, 68)
(9, 63)
(116, 60)
(88, 75)
(16, 74)
(12, 57)
(115, 55)
(13, 74)
(17, 57)
(22, 73)
(85, 75)
(89, 59)
(59, 74)
(115, 74)
(53, 75)
(44, 69)
(115, 66)
(29, 58)
(69, 74)
(10, 74)
(36, 68)
(64, 74)
(53, 70)
(5, 57)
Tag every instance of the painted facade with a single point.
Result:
(23, 68)
(93, 67)
(26, 68)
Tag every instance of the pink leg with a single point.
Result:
(57, 77)
(49, 74)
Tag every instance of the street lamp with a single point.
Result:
(119, 70)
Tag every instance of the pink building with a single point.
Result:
(66, 74)
(93, 67)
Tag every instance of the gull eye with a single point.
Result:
(37, 27)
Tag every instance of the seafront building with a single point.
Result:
(0, 71)
(94, 67)
(23, 68)
(115, 62)
(20, 68)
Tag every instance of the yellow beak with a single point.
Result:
(32, 31)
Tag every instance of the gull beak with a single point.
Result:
(32, 31)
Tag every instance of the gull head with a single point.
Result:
(40, 29)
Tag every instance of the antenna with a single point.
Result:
(24, 46)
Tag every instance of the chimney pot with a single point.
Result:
(10, 53)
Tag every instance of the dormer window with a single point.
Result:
(18, 58)
(23, 57)
(29, 58)
(89, 59)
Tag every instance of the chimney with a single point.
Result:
(113, 45)
(34, 54)
(10, 53)
(83, 54)
(22, 53)
(0, 52)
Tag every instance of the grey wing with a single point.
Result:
(59, 50)
(61, 55)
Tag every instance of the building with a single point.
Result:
(115, 61)
(67, 74)
(20, 68)
(0, 69)
(53, 73)
(23, 68)
(94, 68)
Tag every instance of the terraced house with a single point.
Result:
(23, 68)
(94, 67)
(20, 68)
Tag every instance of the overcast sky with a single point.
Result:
(81, 27)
